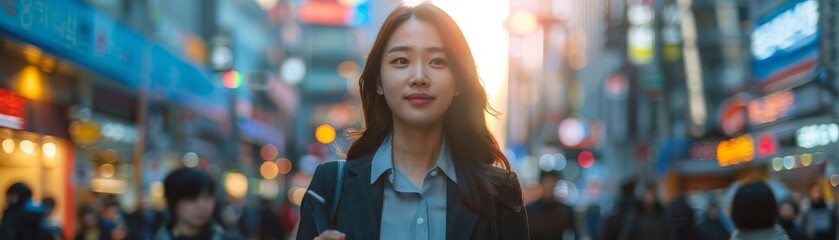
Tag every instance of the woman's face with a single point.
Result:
(196, 212)
(416, 80)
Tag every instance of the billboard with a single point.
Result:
(785, 42)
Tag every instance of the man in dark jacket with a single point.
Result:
(145, 221)
(549, 218)
(624, 213)
(22, 219)
(819, 218)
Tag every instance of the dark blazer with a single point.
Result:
(360, 208)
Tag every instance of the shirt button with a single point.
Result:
(434, 173)
(420, 221)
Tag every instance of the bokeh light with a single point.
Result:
(269, 170)
(190, 159)
(547, 162)
(325, 134)
(268, 152)
(49, 149)
(107, 170)
(269, 189)
(27, 147)
(284, 165)
(586, 159)
(236, 184)
(8, 146)
(232, 79)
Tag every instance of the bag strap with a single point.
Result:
(336, 197)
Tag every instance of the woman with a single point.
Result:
(189, 199)
(425, 166)
(754, 211)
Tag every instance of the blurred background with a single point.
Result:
(100, 99)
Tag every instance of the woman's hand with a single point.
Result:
(331, 235)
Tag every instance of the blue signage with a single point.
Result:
(785, 43)
(74, 31)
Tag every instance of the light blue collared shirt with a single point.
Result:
(408, 212)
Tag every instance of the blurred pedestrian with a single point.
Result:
(190, 202)
(549, 218)
(89, 227)
(623, 215)
(22, 219)
(712, 227)
(271, 228)
(754, 212)
(52, 227)
(787, 214)
(819, 218)
(144, 222)
(426, 164)
(681, 216)
(650, 224)
(112, 223)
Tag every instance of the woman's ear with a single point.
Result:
(457, 91)
(379, 89)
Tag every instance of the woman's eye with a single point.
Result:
(438, 62)
(400, 61)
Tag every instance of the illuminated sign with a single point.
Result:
(735, 151)
(12, 110)
(640, 34)
(334, 13)
(783, 31)
(817, 135)
(771, 108)
(785, 42)
(767, 145)
(733, 115)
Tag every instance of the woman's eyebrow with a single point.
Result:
(408, 49)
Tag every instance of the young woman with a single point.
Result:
(425, 166)
(190, 202)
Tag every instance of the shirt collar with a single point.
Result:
(383, 161)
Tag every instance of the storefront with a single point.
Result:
(36, 149)
(69, 78)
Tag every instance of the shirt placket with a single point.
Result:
(422, 218)
(423, 224)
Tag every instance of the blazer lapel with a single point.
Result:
(460, 219)
(365, 199)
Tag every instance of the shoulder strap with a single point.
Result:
(336, 197)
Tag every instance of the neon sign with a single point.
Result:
(12, 110)
(735, 151)
(787, 29)
(771, 108)
(817, 135)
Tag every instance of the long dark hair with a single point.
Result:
(480, 165)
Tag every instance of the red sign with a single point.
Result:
(325, 12)
(12, 110)
(767, 145)
(733, 115)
